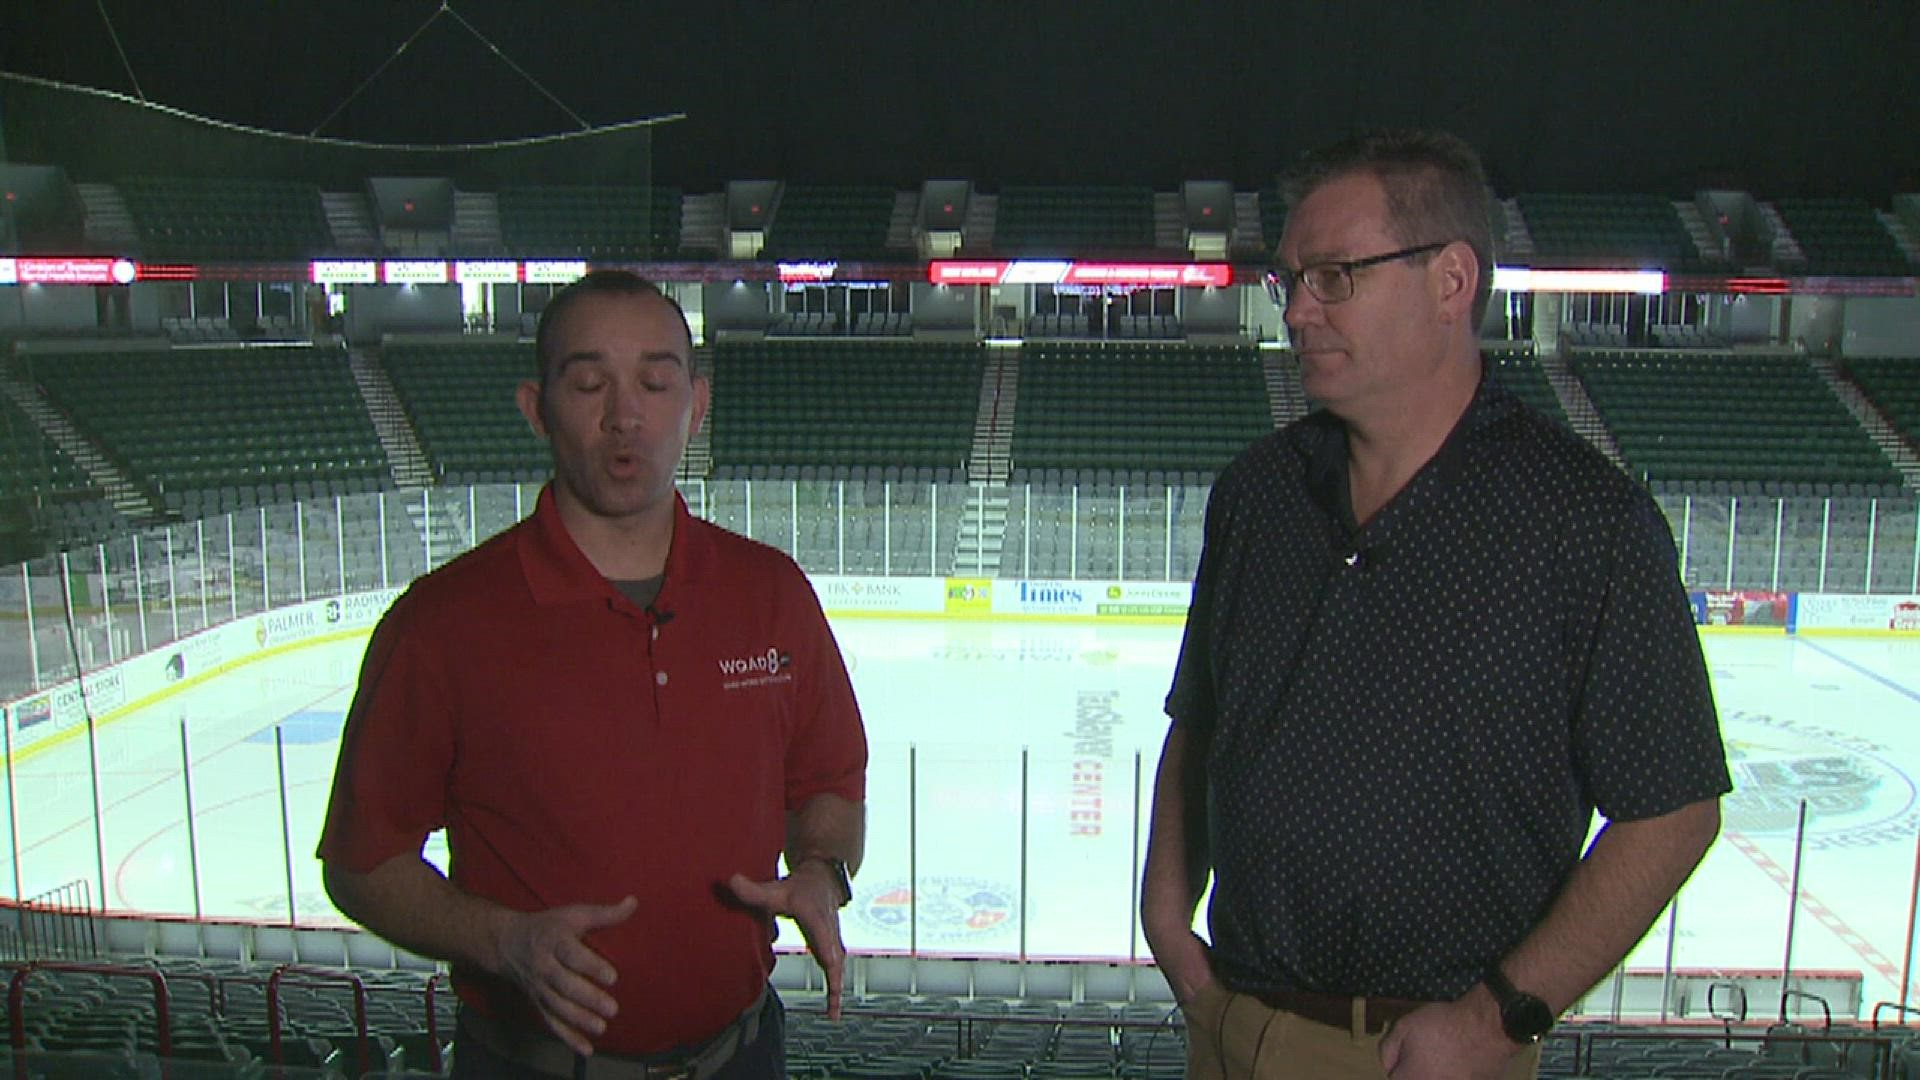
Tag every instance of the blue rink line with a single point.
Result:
(304, 728)
(1897, 687)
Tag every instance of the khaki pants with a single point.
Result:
(1235, 1037)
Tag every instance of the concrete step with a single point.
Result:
(109, 223)
(350, 220)
(476, 224)
(1247, 241)
(407, 462)
(703, 224)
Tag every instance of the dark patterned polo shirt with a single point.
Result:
(1408, 726)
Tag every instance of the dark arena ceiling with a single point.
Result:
(1769, 97)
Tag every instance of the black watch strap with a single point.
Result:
(838, 868)
(1524, 1017)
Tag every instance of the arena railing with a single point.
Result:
(96, 769)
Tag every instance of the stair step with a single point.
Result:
(476, 224)
(1247, 240)
(407, 462)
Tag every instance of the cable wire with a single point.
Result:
(114, 35)
(447, 7)
(443, 9)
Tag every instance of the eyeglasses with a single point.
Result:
(1332, 282)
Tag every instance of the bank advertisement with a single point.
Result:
(854, 595)
(1890, 613)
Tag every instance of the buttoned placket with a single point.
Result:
(658, 672)
(656, 675)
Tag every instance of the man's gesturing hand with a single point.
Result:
(545, 954)
(810, 896)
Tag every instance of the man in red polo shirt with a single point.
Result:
(622, 716)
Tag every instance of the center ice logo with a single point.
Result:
(945, 910)
(1854, 797)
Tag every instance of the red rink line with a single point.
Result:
(1814, 906)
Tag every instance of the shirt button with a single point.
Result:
(656, 633)
(660, 677)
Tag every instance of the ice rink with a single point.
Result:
(1010, 765)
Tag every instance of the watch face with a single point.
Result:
(1526, 1018)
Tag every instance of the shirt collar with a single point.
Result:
(1321, 442)
(558, 572)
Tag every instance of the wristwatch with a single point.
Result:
(1523, 1016)
(838, 868)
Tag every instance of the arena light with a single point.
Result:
(414, 272)
(486, 272)
(555, 271)
(1520, 279)
(345, 272)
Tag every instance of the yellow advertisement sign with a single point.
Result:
(969, 596)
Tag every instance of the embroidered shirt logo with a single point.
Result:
(758, 669)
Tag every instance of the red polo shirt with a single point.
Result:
(577, 748)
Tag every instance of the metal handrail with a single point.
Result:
(433, 1021)
(316, 976)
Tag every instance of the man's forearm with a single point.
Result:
(409, 903)
(1629, 873)
(1177, 858)
(828, 826)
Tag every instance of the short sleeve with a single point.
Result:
(1646, 733)
(827, 750)
(1190, 702)
(389, 787)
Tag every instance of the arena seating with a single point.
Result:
(31, 466)
(844, 403)
(42, 491)
(1099, 522)
(1113, 448)
(87, 1023)
(1518, 371)
(185, 422)
(1074, 221)
(1126, 406)
(1608, 230)
(1765, 423)
(95, 1024)
(1842, 237)
(459, 398)
(205, 218)
(588, 222)
(832, 223)
(1893, 384)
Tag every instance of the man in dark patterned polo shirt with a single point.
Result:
(1432, 632)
